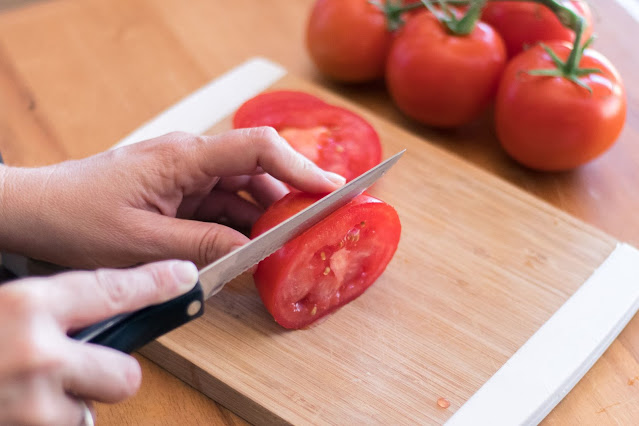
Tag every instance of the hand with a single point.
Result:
(134, 204)
(43, 373)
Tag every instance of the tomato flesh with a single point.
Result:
(330, 264)
(334, 138)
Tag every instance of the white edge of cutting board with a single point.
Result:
(537, 377)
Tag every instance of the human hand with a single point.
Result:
(135, 204)
(44, 375)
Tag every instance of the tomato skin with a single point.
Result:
(334, 138)
(273, 103)
(523, 24)
(348, 40)
(292, 283)
(552, 124)
(440, 79)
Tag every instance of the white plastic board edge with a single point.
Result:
(533, 381)
(202, 109)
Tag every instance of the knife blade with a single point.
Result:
(130, 331)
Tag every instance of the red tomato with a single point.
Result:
(523, 24)
(441, 79)
(330, 264)
(348, 39)
(551, 123)
(332, 137)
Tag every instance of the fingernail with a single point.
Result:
(335, 178)
(186, 274)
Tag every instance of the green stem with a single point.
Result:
(464, 26)
(446, 16)
(575, 54)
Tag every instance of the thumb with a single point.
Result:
(200, 242)
(81, 298)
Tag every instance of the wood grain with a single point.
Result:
(75, 77)
(480, 267)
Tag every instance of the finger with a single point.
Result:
(266, 190)
(39, 400)
(229, 207)
(199, 242)
(81, 298)
(99, 373)
(234, 183)
(245, 151)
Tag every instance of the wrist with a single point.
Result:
(18, 208)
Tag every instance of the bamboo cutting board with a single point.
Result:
(480, 270)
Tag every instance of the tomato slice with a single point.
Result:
(332, 137)
(330, 264)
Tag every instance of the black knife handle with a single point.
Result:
(129, 332)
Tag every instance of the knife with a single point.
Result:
(130, 331)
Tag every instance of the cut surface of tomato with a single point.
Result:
(332, 137)
(330, 264)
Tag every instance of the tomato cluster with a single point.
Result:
(445, 66)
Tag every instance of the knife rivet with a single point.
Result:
(194, 307)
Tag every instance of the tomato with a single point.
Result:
(330, 264)
(551, 123)
(441, 79)
(348, 40)
(523, 24)
(332, 137)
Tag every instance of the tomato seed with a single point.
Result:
(443, 403)
(323, 255)
(327, 270)
(314, 310)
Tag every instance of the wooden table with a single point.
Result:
(77, 76)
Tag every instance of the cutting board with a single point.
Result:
(484, 275)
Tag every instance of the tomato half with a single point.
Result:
(334, 138)
(441, 79)
(348, 40)
(330, 264)
(551, 123)
(523, 24)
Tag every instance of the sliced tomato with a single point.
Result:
(330, 264)
(332, 137)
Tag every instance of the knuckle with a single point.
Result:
(23, 299)
(34, 351)
(37, 329)
(178, 136)
(208, 246)
(115, 291)
(169, 148)
(267, 137)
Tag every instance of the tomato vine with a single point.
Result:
(569, 69)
